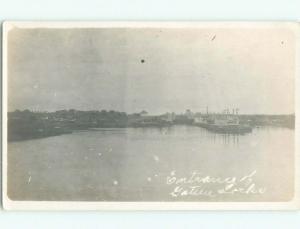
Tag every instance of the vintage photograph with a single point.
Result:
(141, 113)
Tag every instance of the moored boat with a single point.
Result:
(222, 123)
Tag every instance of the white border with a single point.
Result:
(8, 204)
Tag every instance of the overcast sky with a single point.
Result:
(95, 69)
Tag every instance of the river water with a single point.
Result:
(144, 164)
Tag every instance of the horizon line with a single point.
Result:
(183, 112)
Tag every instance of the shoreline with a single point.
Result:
(96, 129)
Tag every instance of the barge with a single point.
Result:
(227, 124)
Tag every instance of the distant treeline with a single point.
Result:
(27, 124)
(287, 121)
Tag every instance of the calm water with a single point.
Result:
(134, 164)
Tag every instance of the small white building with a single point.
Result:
(169, 117)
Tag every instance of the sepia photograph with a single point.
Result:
(142, 115)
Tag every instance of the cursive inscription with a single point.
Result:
(198, 184)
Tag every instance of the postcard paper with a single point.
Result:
(150, 115)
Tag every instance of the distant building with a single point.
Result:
(173, 116)
(226, 120)
(169, 117)
(144, 113)
(199, 119)
(189, 114)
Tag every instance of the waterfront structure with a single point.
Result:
(222, 123)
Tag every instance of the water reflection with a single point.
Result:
(222, 138)
(187, 133)
(230, 139)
